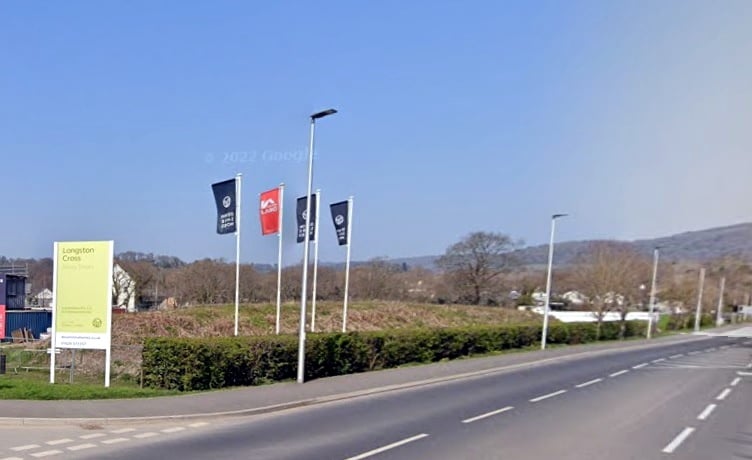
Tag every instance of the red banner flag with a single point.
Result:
(269, 212)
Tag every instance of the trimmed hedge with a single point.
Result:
(209, 363)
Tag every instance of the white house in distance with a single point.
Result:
(123, 289)
(575, 297)
(44, 298)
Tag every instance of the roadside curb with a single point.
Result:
(26, 421)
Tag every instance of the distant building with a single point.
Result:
(43, 298)
(575, 298)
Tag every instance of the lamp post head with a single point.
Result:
(556, 216)
(322, 114)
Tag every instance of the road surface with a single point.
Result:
(674, 401)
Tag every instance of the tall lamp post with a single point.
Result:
(548, 279)
(304, 291)
(652, 292)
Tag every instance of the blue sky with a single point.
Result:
(115, 118)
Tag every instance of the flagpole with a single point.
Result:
(238, 189)
(347, 262)
(279, 256)
(315, 260)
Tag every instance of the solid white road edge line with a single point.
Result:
(487, 414)
(706, 413)
(583, 385)
(550, 395)
(723, 394)
(621, 372)
(678, 440)
(736, 381)
(373, 452)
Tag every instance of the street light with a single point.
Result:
(548, 279)
(652, 292)
(304, 291)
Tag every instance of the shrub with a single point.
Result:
(187, 364)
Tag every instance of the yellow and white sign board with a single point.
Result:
(82, 313)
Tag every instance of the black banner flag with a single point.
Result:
(340, 214)
(224, 197)
(301, 210)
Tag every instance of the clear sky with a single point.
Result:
(115, 118)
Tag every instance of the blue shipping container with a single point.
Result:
(37, 321)
(13, 292)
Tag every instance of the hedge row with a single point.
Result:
(209, 363)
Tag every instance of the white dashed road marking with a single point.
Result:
(640, 366)
(706, 413)
(198, 424)
(736, 381)
(373, 452)
(583, 385)
(680, 438)
(82, 447)
(621, 372)
(123, 430)
(114, 440)
(659, 360)
(487, 414)
(550, 395)
(149, 434)
(92, 436)
(46, 453)
(676, 356)
(26, 447)
(723, 394)
(59, 441)
(173, 430)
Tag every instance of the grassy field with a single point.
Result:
(259, 319)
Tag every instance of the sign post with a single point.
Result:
(82, 313)
(2, 321)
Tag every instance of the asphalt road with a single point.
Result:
(652, 403)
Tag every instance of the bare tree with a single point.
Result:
(206, 281)
(610, 274)
(473, 264)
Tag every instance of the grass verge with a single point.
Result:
(36, 386)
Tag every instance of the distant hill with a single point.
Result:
(696, 246)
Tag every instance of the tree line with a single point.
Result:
(480, 269)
